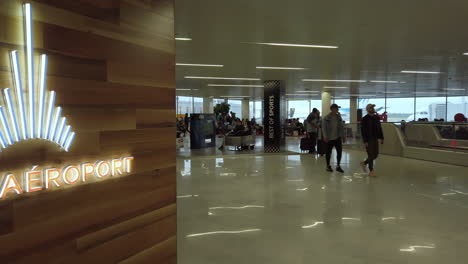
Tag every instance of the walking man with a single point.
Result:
(333, 136)
(372, 135)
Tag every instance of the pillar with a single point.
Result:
(353, 116)
(245, 109)
(274, 108)
(208, 107)
(326, 103)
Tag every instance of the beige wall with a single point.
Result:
(112, 66)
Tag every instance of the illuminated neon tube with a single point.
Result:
(64, 136)
(30, 67)
(42, 95)
(2, 141)
(53, 129)
(6, 127)
(19, 93)
(12, 113)
(70, 139)
(50, 111)
(61, 126)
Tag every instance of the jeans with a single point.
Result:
(339, 150)
(372, 153)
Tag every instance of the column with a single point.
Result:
(245, 109)
(353, 116)
(274, 108)
(208, 105)
(326, 103)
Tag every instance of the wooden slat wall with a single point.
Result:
(111, 63)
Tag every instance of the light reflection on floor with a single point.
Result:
(287, 209)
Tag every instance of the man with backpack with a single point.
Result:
(333, 136)
(372, 135)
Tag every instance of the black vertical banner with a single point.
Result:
(274, 116)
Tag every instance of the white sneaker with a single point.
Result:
(372, 174)
(363, 167)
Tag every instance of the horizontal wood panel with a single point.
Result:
(106, 234)
(129, 244)
(146, 19)
(141, 74)
(161, 7)
(86, 219)
(61, 39)
(72, 92)
(151, 118)
(107, 10)
(160, 253)
(58, 201)
(100, 119)
(58, 65)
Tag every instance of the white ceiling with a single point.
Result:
(377, 39)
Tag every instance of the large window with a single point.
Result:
(184, 105)
(456, 105)
(431, 108)
(298, 109)
(236, 107)
(345, 108)
(197, 105)
(399, 109)
(258, 111)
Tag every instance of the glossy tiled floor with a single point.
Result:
(288, 210)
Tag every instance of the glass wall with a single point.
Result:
(236, 107)
(456, 105)
(298, 109)
(184, 104)
(345, 108)
(399, 109)
(197, 105)
(258, 111)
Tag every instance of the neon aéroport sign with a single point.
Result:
(29, 113)
(38, 179)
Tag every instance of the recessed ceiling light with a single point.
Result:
(422, 72)
(235, 96)
(279, 68)
(296, 45)
(362, 95)
(385, 82)
(319, 80)
(184, 39)
(234, 85)
(222, 78)
(335, 87)
(199, 65)
(454, 89)
(302, 94)
(466, 53)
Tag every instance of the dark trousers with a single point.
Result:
(339, 150)
(372, 153)
(313, 139)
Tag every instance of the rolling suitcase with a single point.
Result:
(306, 144)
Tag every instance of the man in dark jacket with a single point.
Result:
(372, 136)
(333, 136)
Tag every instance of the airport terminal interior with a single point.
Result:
(240, 200)
(234, 131)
